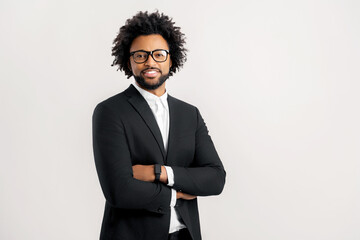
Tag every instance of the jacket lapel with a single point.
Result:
(172, 128)
(141, 106)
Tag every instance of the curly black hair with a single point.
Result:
(144, 23)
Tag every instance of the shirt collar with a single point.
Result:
(152, 98)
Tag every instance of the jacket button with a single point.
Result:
(160, 209)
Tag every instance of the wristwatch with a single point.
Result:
(157, 170)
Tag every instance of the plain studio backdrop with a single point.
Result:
(277, 83)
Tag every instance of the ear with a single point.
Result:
(129, 65)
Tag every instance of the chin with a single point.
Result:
(151, 83)
(152, 80)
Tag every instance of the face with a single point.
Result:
(150, 74)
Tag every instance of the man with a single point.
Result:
(152, 151)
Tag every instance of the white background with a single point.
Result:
(277, 83)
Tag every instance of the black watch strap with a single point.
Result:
(157, 170)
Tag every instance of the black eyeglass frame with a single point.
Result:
(150, 53)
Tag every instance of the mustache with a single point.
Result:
(151, 68)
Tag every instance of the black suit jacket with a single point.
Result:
(126, 133)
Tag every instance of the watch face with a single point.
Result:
(157, 169)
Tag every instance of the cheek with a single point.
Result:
(166, 68)
(134, 68)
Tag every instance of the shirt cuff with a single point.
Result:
(173, 198)
(170, 175)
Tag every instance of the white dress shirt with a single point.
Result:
(160, 108)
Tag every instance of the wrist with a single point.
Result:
(157, 172)
(178, 194)
(163, 176)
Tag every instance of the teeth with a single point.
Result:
(150, 72)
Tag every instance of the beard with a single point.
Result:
(142, 82)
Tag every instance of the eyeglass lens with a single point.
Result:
(159, 56)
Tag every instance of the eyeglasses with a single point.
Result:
(141, 56)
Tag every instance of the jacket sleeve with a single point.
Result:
(206, 176)
(114, 167)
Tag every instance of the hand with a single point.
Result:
(146, 173)
(185, 196)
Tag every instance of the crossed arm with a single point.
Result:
(146, 173)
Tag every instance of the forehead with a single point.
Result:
(149, 43)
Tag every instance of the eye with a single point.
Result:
(160, 54)
(140, 55)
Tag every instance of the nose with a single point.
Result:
(150, 61)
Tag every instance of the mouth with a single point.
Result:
(151, 73)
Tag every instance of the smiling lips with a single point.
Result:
(151, 73)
